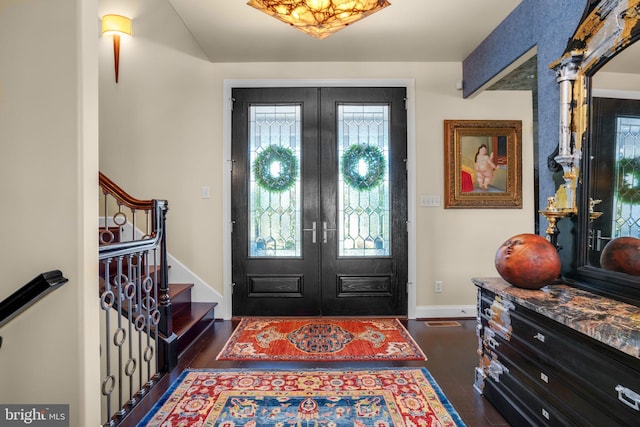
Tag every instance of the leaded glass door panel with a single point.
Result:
(316, 174)
(615, 171)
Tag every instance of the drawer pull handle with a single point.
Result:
(488, 312)
(496, 369)
(492, 343)
(544, 377)
(539, 337)
(545, 413)
(628, 397)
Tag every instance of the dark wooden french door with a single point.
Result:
(319, 201)
(613, 184)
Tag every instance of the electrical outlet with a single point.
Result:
(438, 286)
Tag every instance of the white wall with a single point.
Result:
(48, 165)
(457, 244)
(161, 135)
(158, 134)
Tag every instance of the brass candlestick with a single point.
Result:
(553, 215)
(593, 215)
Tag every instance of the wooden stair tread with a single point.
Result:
(187, 318)
(176, 289)
(189, 324)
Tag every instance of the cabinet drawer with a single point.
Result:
(594, 367)
(510, 408)
(556, 389)
(534, 410)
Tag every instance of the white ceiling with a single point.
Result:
(407, 31)
(626, 61)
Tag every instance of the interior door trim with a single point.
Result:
(226, 305)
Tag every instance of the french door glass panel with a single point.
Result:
(274, 196)
(626, 220)
(363, 200)
(363, 183)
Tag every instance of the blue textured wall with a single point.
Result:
(547, 24)
(510, 40)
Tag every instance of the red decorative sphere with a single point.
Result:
(528, 261)
(622, 254)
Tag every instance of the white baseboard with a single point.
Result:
(444, 311)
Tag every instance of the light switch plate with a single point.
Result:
(205, 192)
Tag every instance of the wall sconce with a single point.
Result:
(116, 25)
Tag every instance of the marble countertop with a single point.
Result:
(611, 322)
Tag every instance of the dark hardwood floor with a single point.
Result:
(451, 352)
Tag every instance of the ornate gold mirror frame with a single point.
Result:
(608, 27)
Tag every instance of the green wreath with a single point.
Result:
(629, 193)
(288, 168)
(373, 158)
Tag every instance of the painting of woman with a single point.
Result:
(484, 166)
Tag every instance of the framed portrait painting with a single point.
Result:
(483, 164)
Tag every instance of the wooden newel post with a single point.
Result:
(168, 355)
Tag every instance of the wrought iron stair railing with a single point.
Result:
(138, 344)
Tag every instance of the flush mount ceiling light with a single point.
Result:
(319, 18)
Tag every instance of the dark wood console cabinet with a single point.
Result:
(559, 356)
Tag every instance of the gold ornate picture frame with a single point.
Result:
(483, 164)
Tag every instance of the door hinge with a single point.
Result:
(232, 101)
(233, 224)
(233, 285)
(231, 163)
(406, 103)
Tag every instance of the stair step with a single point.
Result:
(180, 295)
(189, 324)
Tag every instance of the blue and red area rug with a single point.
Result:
(329, 398)
(320, 339)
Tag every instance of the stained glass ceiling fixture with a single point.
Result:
(319, 18)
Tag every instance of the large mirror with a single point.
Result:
(615, 153)
(604, 124)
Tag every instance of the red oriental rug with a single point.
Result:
(356, 398)
(320, 339)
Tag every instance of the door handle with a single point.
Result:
(313, 232)
(325, 231)
(599, 238)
